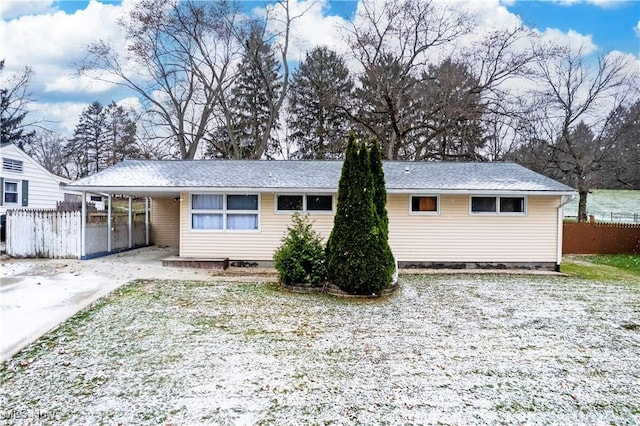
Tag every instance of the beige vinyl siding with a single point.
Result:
(165, 222)
(244, 245)
(455, 235)
(44, 187)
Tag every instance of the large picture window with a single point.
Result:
(498, 205)
(224, 212)
(304, 203)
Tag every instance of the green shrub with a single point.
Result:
(359, 260)
(300, 257)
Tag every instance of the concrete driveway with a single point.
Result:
(36, 295)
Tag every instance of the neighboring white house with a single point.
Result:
(25, 184)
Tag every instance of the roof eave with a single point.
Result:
(125, 190)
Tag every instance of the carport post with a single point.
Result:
(109, 225)
(146, 220)
(130, 222)
(83, 226)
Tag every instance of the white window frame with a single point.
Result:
(224, 212)
(11, 165)
(414, 213)
(498, 200)
(5, 192)
(304, 203)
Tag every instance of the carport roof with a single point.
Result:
(170, 177)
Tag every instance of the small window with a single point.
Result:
(304, 203)
(322, 203)
(96, 198)
(511, 204)
(11, 192)
(206, 221)
(11, 165)
(289, 202)
(498, 205)
(424, 204)
(206, 202)
(242, 202)
(483, 204)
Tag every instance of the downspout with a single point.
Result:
(560, 222)
(109, 225)
(83, 227)
(146, 220)
(130, 222)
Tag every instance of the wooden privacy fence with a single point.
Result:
(58, 234)
(43, 233)
(600, 238)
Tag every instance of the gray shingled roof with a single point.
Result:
(150, 176)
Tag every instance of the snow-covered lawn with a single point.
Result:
(441, 350)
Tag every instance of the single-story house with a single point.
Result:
(440, 214)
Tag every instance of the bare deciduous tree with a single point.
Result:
(391, 41)
(14, 100)
(179, 60)
(573, 97)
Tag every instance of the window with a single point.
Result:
(426, 204)
(483, 204)
(219, 211)
(96, 198)
(290, 203)
(304, 203)
(11, 165)
(498, 205)
(321, 203)
(11, 192)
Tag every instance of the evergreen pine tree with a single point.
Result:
(248, 131)
(317, 105)
(355, 256)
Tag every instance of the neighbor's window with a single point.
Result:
(220, 211)
(304, 203)
(11, 192)
(498, 205)
(11, 165)
(425, 204)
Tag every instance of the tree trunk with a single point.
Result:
(582, 205)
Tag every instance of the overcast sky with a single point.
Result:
(50, 36)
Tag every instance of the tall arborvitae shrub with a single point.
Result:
(380, 203)
(355, 260)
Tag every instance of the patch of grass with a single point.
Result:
(603, 268)
(627, 262)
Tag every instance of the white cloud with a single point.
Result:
(72, 83)
(62, 116)
(52, 42)
(636, 29)
(13, 8)
(310, 28)
(572, 39)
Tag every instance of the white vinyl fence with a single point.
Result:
(55, 234)
(43, 233)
